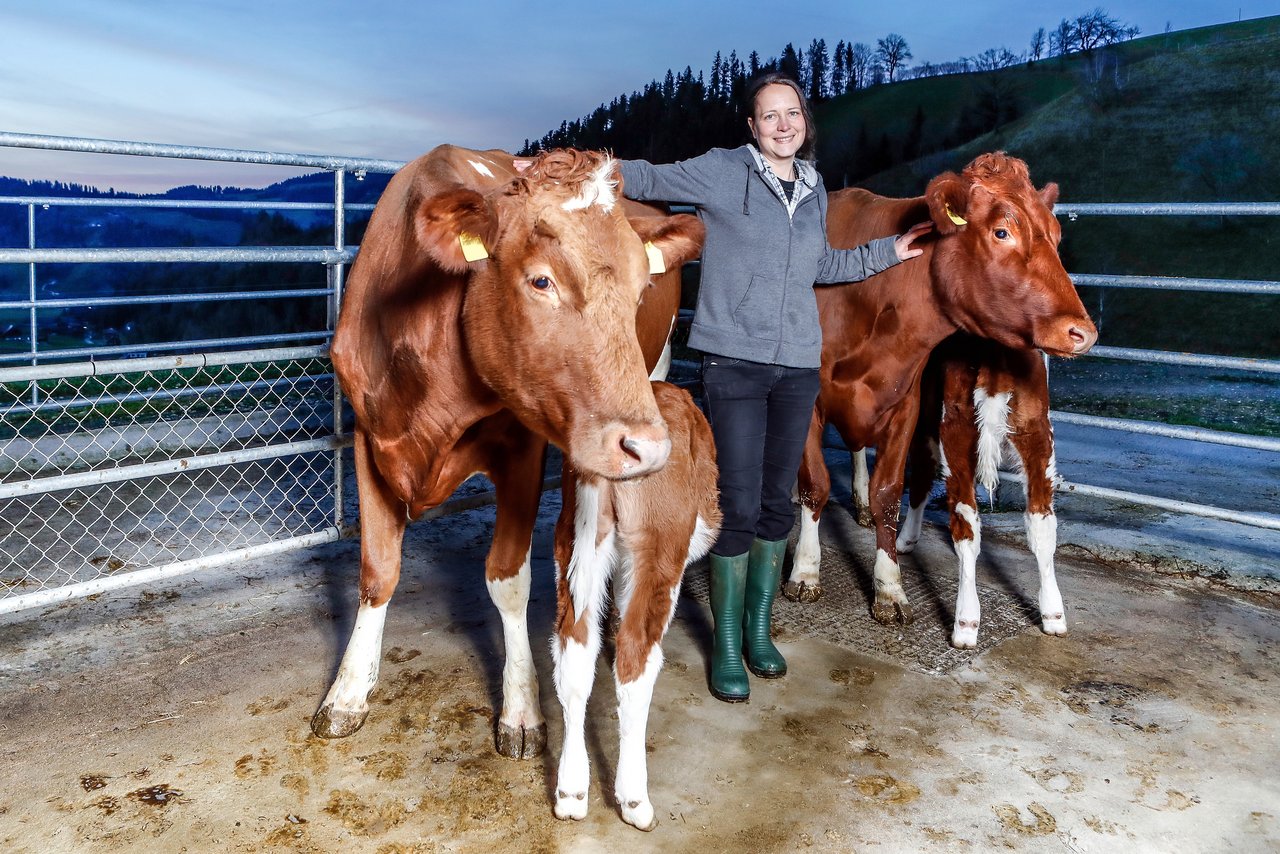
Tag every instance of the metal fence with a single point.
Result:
(120, 471)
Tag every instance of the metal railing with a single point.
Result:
(1235, 286)
(118, 472)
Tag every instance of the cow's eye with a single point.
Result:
(542, 283)
(1002, 234)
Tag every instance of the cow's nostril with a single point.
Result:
(632, 447)
(1076, 335)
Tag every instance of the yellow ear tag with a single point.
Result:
(657, 266)
(954, 217)
(472, 247)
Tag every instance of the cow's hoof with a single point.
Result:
(906, 547)
(889, 612)
(1054, 624)
(521, 742)
(571, 807)
(802, 591)
(639, 814)
(964, 635)
(865, 519)
(329, 722)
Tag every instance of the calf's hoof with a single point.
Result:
(964, 635)
(639, 814)
(329, 722)
(889, 612)
(906, 547)
(1054, 624)
(802, 591)
(571, 807)
(516, 742)
(865, 519)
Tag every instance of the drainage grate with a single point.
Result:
(843, 615)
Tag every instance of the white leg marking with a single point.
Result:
(699, 544)
(520, 708)
(964, 634)
(358, 672)
(575, 674)
(888, 579)
(993, 428)
(861, 482)
(909, 533)
(1042, 537)
(631, 789)
(804, 568)
(663, 367)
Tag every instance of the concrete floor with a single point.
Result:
(175, 718)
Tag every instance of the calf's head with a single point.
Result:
(555, 274)
(997, 262)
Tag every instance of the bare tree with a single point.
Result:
(861, 61)
(893, 53)
(992, 59)
(1037, 45)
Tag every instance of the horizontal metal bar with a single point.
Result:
(148, 202)
(1152, 428)
(176, 255)
(166, 345)
(160, 363)
(1169, 209)
(1269, 366)
(1228, 286)
(57, 483)
(151, 299)
(196, 152)
(1257, 520)
(12, 604)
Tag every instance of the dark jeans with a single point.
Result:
(760, 417)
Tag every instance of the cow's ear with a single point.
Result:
(455, 229)
(1049, 195)
(948, 198)
(678, 237)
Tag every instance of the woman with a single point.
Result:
(764, 207)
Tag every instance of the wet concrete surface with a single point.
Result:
(175, 718)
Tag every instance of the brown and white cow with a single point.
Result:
(993, 271)
(640, 534)
(979, 397)
(489, 310)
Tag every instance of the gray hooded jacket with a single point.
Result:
(762, 256)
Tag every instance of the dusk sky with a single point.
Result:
(392, 79)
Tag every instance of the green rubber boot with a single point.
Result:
(764, 573)
(728, 584)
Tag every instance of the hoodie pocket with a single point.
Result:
(757, 311)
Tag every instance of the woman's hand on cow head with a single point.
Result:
(902, 245)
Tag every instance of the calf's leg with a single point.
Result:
(803, 584)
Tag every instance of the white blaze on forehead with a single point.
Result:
(597, 191)
(481, 168)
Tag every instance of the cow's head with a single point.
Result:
(556, 272)
(997, 258)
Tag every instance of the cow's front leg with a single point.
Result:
(1033, 440)
(382, 522)
(891, 603)
(582, 571)
(814, 486)
(521, 731)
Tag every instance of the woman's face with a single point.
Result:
(778, 124)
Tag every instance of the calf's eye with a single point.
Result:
(542, 283)
(1002, 234)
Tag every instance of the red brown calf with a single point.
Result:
(992, 271)
(490, 309)
(640, 533)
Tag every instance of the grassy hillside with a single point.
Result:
(1189, 116)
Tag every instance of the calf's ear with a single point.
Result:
(948, 199)
(1049, 195)
(455, 229)
(678, 237)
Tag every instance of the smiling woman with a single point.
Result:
(765, 208)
